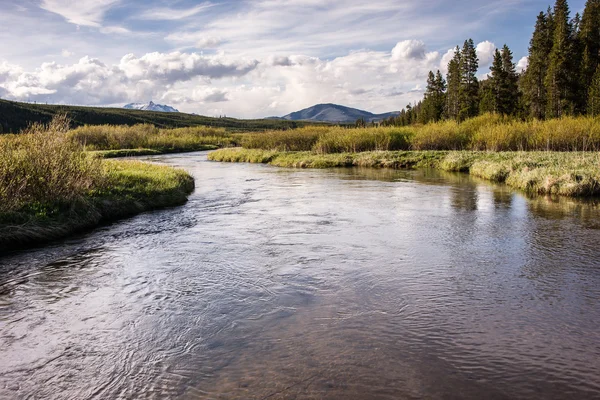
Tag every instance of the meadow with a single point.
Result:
(51, 187)
(557, 156)
(489, 132)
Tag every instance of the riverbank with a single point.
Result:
(147, 152)
(574, 174)
(130, 188)
(51, 187)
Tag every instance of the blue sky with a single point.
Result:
(246, 58)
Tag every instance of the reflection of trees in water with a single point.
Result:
(502, 197)
(560, 208)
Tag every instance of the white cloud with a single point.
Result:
(114, 29)
(172, 14)
(409, 49)
(485, 53)
(90, 81)
(80, 12)
(208, 42)
(66, 53)
(523, 64)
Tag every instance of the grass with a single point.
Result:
(574, 174)
(51, 187)
(488, 132)
(147, 136)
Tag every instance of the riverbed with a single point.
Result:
(341, 284)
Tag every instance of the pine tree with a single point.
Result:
(469, 85)
(559, 81)
(428, 113)
(509, 96)
(440, 86)
(593, 100)
(453, 80)
(589, 40)
(534, 89)
(487, 103)
(496, 83)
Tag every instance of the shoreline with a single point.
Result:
(138, 187)
(540, 173)
(121, 153)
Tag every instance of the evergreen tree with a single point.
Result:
(428, 113)
(495, 85)
(453, 80)
(534, 89)
(440, 86)
(433, 103)
(593, 100)
(589, 40)
(469, 85)
(487, 103)
(559, 82)
(509, 95)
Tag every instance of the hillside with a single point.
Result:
(15, 116)
(335, 113)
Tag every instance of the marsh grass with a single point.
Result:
(489, 132)
(43, 166)
(574, 174)
(147, 136)
(51, 187)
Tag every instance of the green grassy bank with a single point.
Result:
(50, 187)
(574, 174)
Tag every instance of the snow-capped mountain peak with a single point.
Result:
(151, 106)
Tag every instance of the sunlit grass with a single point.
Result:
(50, 186)
(563, 173)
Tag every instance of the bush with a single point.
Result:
(42, 165)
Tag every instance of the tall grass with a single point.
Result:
(147, 136)
(572, 174)
(488, 132)
(42, 165)
(50, 186)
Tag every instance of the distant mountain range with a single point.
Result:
(150, 107)
(334, 113)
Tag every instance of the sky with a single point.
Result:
(247, 59)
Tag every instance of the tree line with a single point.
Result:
(562, 77)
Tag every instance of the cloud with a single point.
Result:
(114, 29)
(66, 53)
(80, 12)
(409, 49)
(485, 53)
(523, 64)
(216, 97)
(92, 82)
(177, 66)
(208, 42)
(172, 14)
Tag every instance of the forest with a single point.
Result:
(562, 77)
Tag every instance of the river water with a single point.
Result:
(343, 284)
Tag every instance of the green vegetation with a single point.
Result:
(15, 116)
(491, 132)
(562, 78)
(540, 157)
(50, 187)
(147, 136)
(567, 174)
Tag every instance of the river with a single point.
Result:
(339, 284)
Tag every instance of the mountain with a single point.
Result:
(150, 107)
(15, 116)
(335, 113)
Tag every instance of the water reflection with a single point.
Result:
(275, 283)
